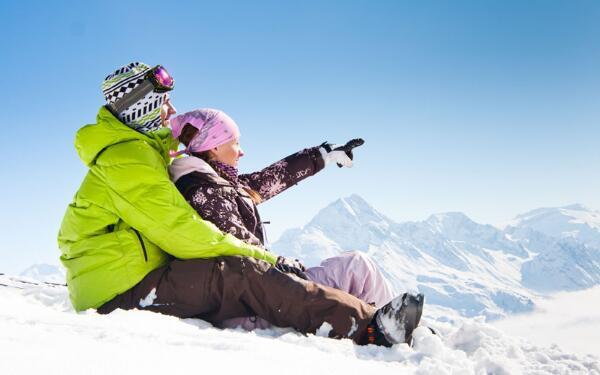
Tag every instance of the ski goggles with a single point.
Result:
(157, 79)
(161, 79)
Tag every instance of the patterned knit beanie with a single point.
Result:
(144, 115)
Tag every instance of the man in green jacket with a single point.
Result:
(130, 240)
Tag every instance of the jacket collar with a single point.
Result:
(186, 165)
(92, 139)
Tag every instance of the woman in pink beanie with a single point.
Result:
(208, 178)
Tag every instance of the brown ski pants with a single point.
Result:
(228, 287)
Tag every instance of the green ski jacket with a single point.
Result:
(128, 218)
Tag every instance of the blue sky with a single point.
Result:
(485, 107)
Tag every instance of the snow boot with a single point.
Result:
(395, 322)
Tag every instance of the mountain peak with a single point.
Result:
(449, 216)
(572, 221)
(355, 198)
(449, 220)
(544, 211)
(351, 222)
(353, 206)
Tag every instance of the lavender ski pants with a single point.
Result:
(352, 272)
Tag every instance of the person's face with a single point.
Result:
(229, 153)
(166, 111)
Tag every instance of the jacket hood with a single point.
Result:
(92, 139)
(182, 166)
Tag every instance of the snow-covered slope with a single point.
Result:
(566, 243)
(575, 221)
(41, 334)
(46, 273)
(566, 265)
(472, 268)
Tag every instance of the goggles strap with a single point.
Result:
(133, 97)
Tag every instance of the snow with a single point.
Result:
(565, 265)
(149, 299)
(45, 272)
(392, 328)
(324, 330)
(41, 334)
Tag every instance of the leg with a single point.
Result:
(227, 287)
(353, 272)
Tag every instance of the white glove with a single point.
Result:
(341, 155)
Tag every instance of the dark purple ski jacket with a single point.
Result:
(226, 203)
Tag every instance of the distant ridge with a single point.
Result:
(476, 269)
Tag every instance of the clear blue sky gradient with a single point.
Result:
(485, 107)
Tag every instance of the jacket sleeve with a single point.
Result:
(285, 173)
(212, 205)
(145, 198)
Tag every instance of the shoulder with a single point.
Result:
(196, 179)
(135, 151)
(195, 183)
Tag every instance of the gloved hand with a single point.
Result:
(291, 266)
(341, 155)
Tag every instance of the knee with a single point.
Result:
(244, 264)
(358, 257)
(358, 262)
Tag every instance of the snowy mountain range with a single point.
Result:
(472, 268)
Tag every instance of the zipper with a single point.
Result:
(266, 242)
(139, 236)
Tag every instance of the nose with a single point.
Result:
(171, 108)
(241, 153)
